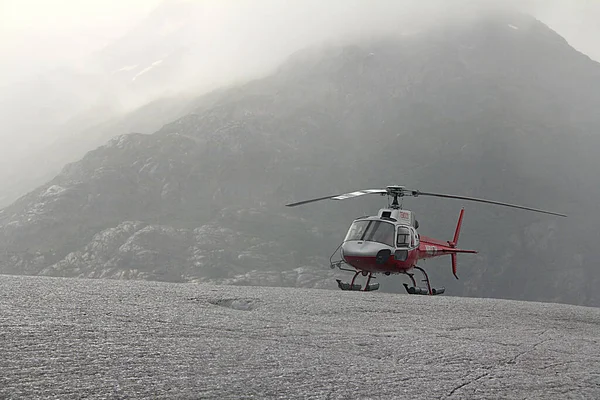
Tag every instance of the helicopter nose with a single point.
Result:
(361, 249)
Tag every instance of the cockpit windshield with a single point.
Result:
(372, 231)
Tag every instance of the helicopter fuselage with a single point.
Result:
(363, 255)
(389, 243)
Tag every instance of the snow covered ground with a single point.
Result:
(74, 338)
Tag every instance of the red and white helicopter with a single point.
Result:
(388, 243)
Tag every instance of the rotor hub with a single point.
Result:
(395, 191)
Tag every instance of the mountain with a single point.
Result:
(134, 84)
(80, 136)
(501, 108)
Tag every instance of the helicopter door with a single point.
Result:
(403, 237)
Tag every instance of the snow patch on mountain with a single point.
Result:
(53, 191)
(128, 68)
(154, 64)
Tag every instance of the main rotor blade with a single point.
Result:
(499, 203)
(343, 196)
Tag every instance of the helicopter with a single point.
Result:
(389, 243)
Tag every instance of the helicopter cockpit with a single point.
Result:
(382, 232)
(372, 231)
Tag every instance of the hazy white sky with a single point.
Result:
(578, 21)
(35, 34)
(38, 32)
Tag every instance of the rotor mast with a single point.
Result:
(395, 192)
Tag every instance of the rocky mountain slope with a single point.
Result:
(78, 137)
(500, 108)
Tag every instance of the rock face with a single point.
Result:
(484, 110)
(135, 250)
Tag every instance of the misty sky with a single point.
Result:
(35, 34)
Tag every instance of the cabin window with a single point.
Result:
(372, 231)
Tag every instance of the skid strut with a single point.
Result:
(414, 289)
(356, 287)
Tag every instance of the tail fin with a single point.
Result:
(455, 241)
(458, 226)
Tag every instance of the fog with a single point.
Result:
(35, 35)
(69, 65)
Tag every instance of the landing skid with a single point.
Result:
(414, 289)
(369, 287)
(340, 264)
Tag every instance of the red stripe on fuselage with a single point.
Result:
(369, 263)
